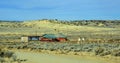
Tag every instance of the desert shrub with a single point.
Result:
(98, 50)
(76, 50)
(115, 52)
(105, 53)
(101, 49)
(12, 57)
(68, 47)
(88, 50)
(7, 54)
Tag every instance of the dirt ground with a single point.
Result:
(35, 57)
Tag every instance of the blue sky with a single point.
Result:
(60, 9)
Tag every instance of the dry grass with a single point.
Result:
(46, 27)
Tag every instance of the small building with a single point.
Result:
(53, 37)
(24, 39)
(45, 37)
(33, 38)
(30, 38)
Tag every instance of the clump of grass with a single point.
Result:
(105, 53)
(4, 53)
(7, 56)
(115, 52)
(99, 50)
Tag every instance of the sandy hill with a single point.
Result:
(15, 30)
(61, 26)
(47, 26)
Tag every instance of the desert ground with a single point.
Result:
(34, 57)
(101, 42)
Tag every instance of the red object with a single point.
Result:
(46, 39)
(61, 39)
(52, 40)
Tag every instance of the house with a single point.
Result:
(24, 39)
(33, 38)
(45, 37)
(30, 38)
(53, 37)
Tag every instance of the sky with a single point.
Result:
(60, 9)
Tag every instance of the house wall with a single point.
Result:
(33, 38)
(24, 39)
(61, 39)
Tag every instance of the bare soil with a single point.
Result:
(35, 57)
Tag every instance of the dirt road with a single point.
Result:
(34, 57)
